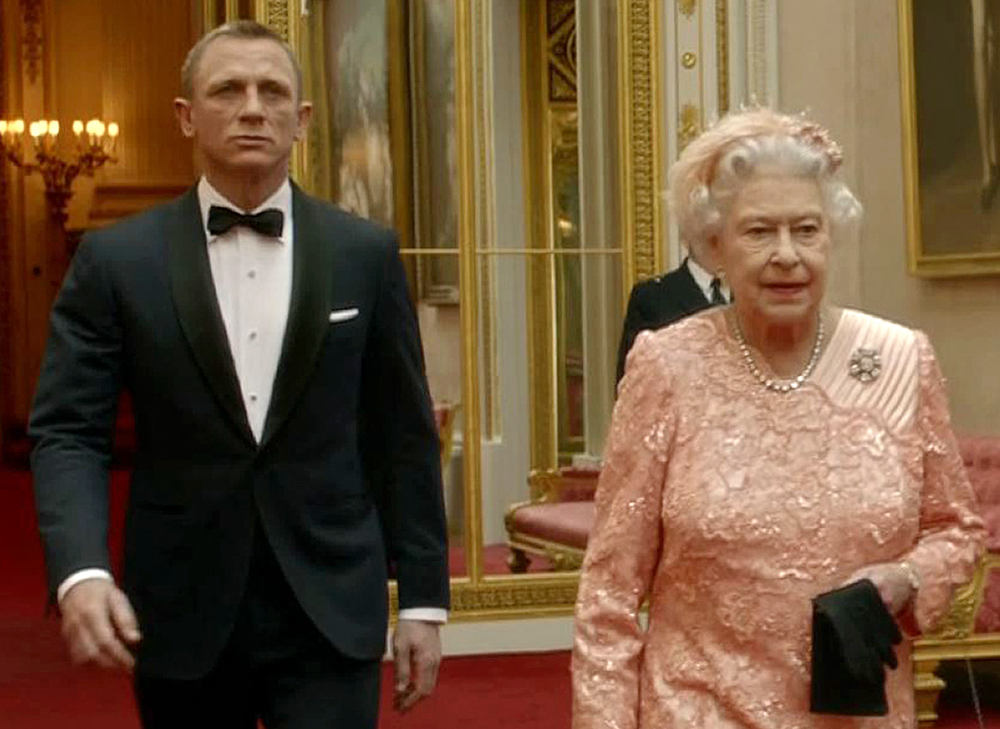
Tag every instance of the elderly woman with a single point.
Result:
(762, 454)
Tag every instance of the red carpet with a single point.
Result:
(40, 689)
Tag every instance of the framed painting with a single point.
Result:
(382, 142)
(950, 71)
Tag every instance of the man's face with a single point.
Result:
(244, 113)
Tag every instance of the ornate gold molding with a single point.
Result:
(524, 596)
(548, 85)
(687, 7)
(560, 30)
(722, 54)
(486, 219)
(32, 41)
(276, 15)
(639, 44)
(688, 126)
(469, 310)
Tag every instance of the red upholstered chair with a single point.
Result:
(972, 626)
(556, 520)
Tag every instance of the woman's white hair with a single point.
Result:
(712, 169)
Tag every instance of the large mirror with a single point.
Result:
(525, 188)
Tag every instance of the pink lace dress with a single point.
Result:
(729, 507)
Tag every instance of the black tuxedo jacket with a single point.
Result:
(345, 481)
(657, 302)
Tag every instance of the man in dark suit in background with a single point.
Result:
(287, 456)
(660, 301)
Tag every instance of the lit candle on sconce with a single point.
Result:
(59, 170)
(92, 131)
(53, 134)
(37, 130)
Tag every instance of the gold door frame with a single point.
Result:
(478, 596)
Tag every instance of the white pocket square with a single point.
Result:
(342, 315)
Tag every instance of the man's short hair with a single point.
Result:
(248, 29)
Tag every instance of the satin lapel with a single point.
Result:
(308, 314)
(198, 310)
(687, 291)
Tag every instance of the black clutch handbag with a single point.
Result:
(853, 636)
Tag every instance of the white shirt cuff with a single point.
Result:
(78, 577)
(426, 615)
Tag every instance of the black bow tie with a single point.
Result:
(266, 222)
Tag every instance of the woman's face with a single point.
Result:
(773, 247)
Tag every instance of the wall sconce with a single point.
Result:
(91, 152)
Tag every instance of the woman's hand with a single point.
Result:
(893, 581)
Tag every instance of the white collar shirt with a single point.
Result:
(252, 273)
(704, 280)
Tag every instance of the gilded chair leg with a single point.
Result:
(518, 561)
(927, 687)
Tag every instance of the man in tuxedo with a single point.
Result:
(287, 458)
(660, 301)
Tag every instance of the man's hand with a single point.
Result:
(893, 584)
(98, 624)
(416, 648)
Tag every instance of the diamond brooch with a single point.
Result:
(866, 364)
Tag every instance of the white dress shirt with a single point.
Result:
(253, 283)
(704, 280)
(252, 273)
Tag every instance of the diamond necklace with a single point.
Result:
(772, 384)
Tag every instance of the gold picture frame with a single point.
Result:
(951, 137)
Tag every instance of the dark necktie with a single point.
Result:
(717, 298)
(266, 222)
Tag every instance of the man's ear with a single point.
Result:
(305, 114)
(182, 110)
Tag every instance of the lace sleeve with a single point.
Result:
(951, 531)
(623, 547)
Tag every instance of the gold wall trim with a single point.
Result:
(521, 597)
(687, 7)
(537, 105)
(465, 87)
(486, 218)
(722, 54)
(278, 15)
(208, 15)
(688, 125)
(275, 14)
(640, 117)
